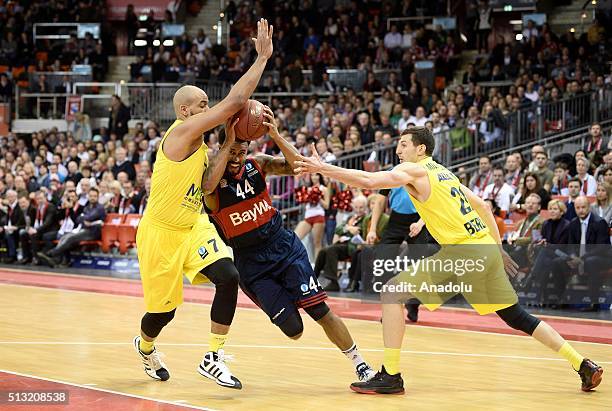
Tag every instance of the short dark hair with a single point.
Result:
(575, 180)
(96, 190)
(222, 138)
(421, 135)
(498, 167)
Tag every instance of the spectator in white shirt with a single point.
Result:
(202, 41)
(499, 190)
(419, 119)
(402, 123)
(393, 39)
(589, 184)
(407, 37)
(530, 31)
(531, 93)
(440, 132)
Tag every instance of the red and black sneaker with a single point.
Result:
(381, 383)
(590, 374)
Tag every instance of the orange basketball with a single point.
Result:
(250, 126)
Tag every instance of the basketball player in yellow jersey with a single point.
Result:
(459, 220)
(174, 238)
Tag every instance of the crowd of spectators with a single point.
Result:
(18, 49)
(54, 186)
(307, 36)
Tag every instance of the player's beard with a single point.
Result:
(234, 167)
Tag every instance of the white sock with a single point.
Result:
(354, 355)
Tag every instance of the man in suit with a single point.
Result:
(29, 213)
(141, 200)
(573, 187)
(15, 220)
(44, 227)
(585, 231)
(119, 115)
(122, 164)
(88, 227)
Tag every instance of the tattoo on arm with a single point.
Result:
(274, 165)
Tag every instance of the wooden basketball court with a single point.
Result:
(81, 342)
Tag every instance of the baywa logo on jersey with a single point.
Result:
(249, 166)
(304, 288)
(203, 252)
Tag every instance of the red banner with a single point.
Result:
(117, 8)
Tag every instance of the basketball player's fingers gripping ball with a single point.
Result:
(230, 130)
(270, 123)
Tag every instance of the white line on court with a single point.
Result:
(295, 347)
(432, 327)
(86, 386)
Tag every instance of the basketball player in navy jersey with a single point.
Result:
(273, 264)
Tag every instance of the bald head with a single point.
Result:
(189, 100)
(582, 207)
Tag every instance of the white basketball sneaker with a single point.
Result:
(153, 365)
(364, 372)
(213, 367)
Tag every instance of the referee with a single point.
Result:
(404, 224)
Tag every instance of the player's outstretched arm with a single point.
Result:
(216, 165)
(400, 176)
(281, 166)
(196, 125)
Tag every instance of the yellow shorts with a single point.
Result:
(474, 270)
(165, 254)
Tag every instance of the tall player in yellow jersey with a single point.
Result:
(174, 238)
(459, 221)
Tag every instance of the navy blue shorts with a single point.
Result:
(278, 276)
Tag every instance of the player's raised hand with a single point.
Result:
(270, 122)
(230, 131)
(509, 264)
(263, 42)
(310, 164)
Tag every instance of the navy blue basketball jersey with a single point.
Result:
(244, 215)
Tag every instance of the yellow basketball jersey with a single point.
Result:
(176, 187)
(448, 214)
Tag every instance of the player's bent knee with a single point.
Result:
(519, 319)
(223, 273)
(292, 327)
(152, 323)
(317, 311)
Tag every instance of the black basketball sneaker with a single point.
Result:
(382, 383)
(590, 374)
